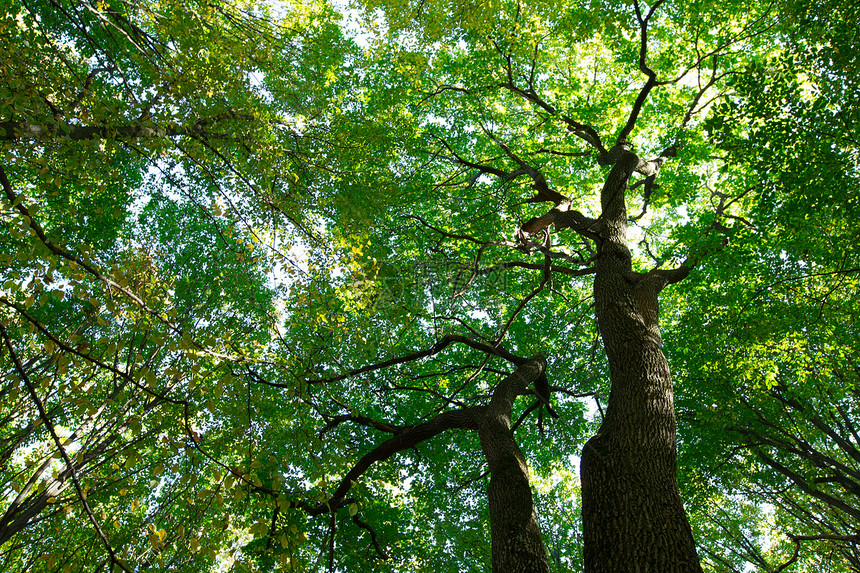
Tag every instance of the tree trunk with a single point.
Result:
(633, 518)
(517, 546)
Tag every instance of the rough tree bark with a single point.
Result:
(633, 517)
(517, 546)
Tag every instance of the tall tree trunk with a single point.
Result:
(633, 518)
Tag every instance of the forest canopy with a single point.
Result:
(508, 285)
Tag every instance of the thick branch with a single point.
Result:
(544, 193)
(802, 484)
(580, 130)
(15, 130)
(855, 538)
(466, 418)
(481, 167)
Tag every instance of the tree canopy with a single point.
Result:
(316, 287)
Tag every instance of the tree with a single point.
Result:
(271, 295)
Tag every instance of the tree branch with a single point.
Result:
(443, 343)
(643, 67)
(16, 130)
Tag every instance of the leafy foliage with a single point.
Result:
(249, 249)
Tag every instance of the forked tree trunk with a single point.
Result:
(633, 518)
